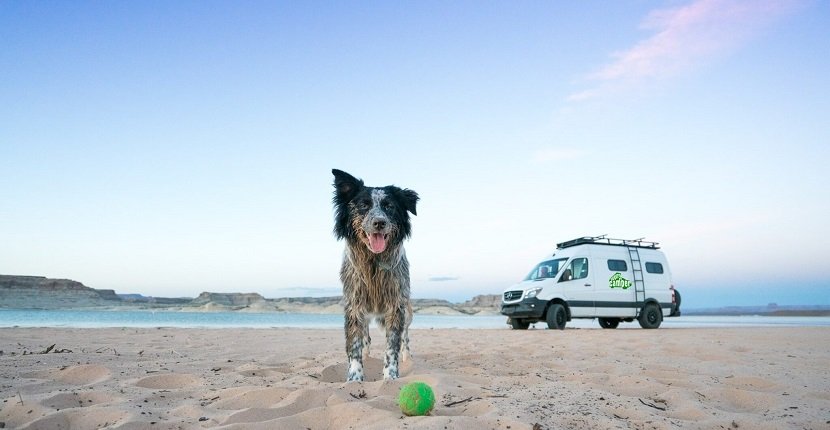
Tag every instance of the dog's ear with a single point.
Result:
(409, 199)
(346, 186)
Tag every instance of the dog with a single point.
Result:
(374, 222)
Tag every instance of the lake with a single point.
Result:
(143, 318)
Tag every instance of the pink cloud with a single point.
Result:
(685, 37)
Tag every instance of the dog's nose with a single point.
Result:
(379, 224)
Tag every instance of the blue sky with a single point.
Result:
(170, 148)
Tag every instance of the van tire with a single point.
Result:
(650, 317)
(609, 322)
(557, 317)
(518, 324)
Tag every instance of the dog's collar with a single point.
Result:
(384, 265)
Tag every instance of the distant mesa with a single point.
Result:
(228, 299)
(37, 292)
(484, 301)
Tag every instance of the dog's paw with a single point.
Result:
(390, 373)
(355, 372)
(354, 376)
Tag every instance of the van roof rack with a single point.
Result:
(602, 240)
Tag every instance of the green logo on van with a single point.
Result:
(617, 281)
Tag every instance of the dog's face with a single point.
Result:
(378, 217)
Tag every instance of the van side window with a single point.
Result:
(578, 269)
(654, 267)
(617, 265)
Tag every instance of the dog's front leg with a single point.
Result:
(356, 326)
(367, 340)
(406, 354)
(395, 330)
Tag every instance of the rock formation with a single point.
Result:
(37, 292)
(228, 299)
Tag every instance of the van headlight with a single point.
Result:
(532, 293)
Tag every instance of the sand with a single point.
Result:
(707, 378)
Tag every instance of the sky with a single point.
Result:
(170, 148)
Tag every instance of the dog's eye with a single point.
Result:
(364, 204)
(387, 206)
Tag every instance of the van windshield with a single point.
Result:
(546, 269)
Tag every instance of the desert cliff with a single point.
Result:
(36, 292)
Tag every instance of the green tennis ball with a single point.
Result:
(416, 398)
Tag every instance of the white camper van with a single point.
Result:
(614, 280)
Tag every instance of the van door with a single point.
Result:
(577, 286)
(615, 287)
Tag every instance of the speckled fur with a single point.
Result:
(375, 284)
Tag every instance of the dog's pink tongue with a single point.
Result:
(377, 242)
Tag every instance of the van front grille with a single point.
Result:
(513, 295)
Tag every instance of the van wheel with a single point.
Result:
(609, 322)
(556, 317)
(650, 316)
(518, 324)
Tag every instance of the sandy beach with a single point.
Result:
(710, 378)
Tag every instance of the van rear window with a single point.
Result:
(654, 267)
(617, 265)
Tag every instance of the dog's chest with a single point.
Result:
(375, 286)
(379, 284)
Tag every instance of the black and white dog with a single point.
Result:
(374, 221)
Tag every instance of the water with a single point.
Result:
(92, 319)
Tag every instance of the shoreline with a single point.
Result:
(232, 320)
(23, 292)
(429, 310)
(151, 378)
